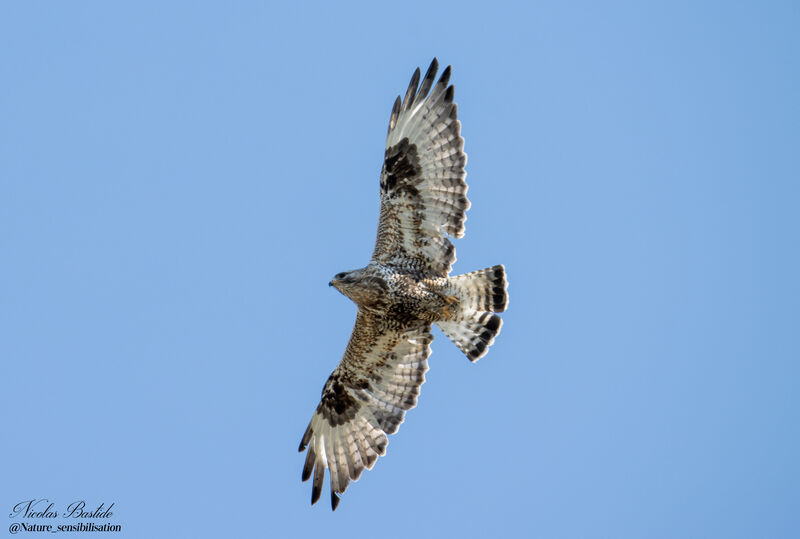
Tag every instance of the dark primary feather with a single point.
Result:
(319, 476)
(412, 88)
(427, 82)
(395, 112)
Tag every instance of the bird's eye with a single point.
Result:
(340, 275)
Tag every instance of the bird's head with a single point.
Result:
(362, 286)
(345, 280)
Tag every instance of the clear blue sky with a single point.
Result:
(179, 181)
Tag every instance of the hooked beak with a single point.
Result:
(330, 283)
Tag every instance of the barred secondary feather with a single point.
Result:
(404, 290)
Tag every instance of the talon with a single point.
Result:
(449, 310)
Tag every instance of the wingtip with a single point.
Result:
(449, 94)
(412, 89)
(446, 74)
(316, 487)
(427, 82)
(334, 501)
(395, 113)
(306, 438)
(414, 82)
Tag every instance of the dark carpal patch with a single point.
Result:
(337, 405)
(400, 165)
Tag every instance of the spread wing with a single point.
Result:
(365, 398)
(423, 192)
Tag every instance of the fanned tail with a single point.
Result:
(474, 326)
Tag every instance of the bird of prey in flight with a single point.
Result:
(404, 289)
